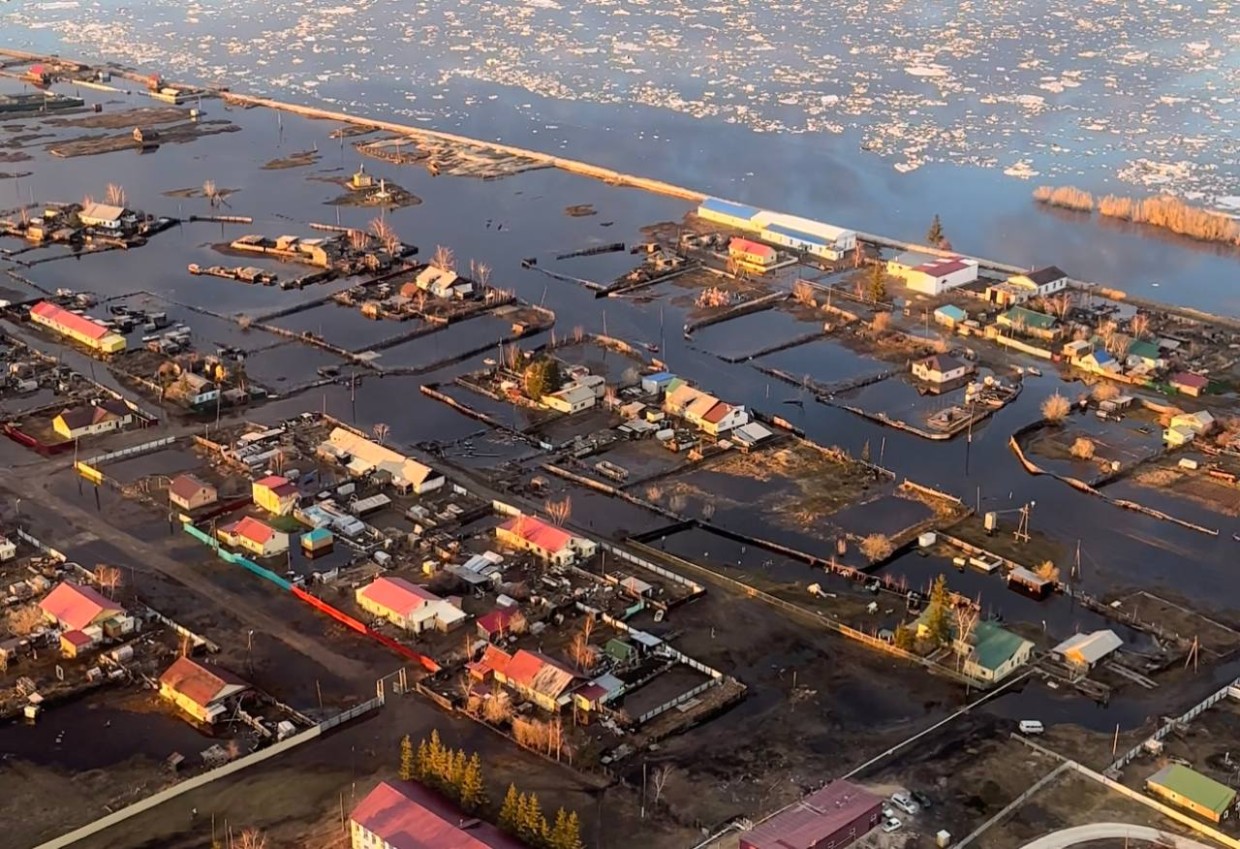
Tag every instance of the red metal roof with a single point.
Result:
(271, 481)
(254, 530)
(1186, 378)
(498, 620)
(815, 818)
(69, 320)
(186, 487)
(942, 267)
(540, 673)
(493, 660)
(540, 534)
(408, 816)
(200, 684)
(77, 638)
(717, 413)
(398, 595)
(76, 606)
(751, 247)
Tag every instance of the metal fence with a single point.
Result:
(1193, 712)
(647, 565)
(679, 700)
(132, 451)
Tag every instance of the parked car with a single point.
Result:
(922, 800)
(891, 824)
(904, 802)
(1031, 726)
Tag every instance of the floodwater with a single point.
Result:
(825, 361)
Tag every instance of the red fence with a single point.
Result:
(345, 619)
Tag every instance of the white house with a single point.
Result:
(932, 275)
(362, 457)
(104, 216)
(571, 399)
(1032, 284)
(408, 606)
(723, 418)
(940, 368)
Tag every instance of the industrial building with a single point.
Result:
(831, 818)
(1186, 788)
(86, 331)
(930, 274)
(799, 234)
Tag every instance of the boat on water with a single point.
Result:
(1033, 371)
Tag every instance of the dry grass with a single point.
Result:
(1055, 408)
(1083, 449)
(1067, 197)
(1175, 215)
(876, 547)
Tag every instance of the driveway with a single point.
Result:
(1104, 830)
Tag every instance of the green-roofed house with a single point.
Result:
(1186, 788)
(1143, 354)
(993, 653)
(1030, 322)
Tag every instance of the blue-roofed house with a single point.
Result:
(950, 315)
(730, 214)
(1099, 362)
(654, 384)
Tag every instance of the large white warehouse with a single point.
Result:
(790, 231)
(930, 274)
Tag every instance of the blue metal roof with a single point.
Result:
(799, 235)
(659, 377)
(727, 207)
(317, 535)
(951, 311)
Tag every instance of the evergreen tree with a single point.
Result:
(938, 614)
(473, 789)
(456, 772)
(876, 286)
(509, 812)
(865, 451)
(571, 836)
(934, 236)
(422, 763)
(905, 638)
(535, 824)
(440, 761)
(408, 766)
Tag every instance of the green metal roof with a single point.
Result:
(994, 646)
(1192, 785)
(1144, 350)
(1030, 318)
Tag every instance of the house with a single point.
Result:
(931, 274)
(992, 653)
(1020, 288)
(1200, 422)
(654, 384)
(752, 255)
(940, 368)
(404, 815)
(572, 398)
(1188, 789)
(204, 692)
(1187, 383)
(363, 457)
(551, 543)
(1178, 436)
(599, 692)
(191, 493)
(1143, 354)
(750, 436)
(255, 536)
(950, 315)
(194, 390)
(1099, 362)
(500, 622)
(408, 606)
(723, 418)
(1077, 348)
(438, 282)
(1085, 651)
(8, 549)
(542, 680)
(86, 331)
(1030, 323)
(104, 216)
(93, 419)
(275, 494)
(830, 818)
(75, 607)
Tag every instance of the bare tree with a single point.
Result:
(1048, 571)
(381, 432)
(210, 192)
(444, 259)
(559, 511)
(579, 333)
(498, 708)
(580, 649)
(677, 503)
(803, 294)
(244, 322)
(876, 547)
(483, 275)
(1083, 449)
(252, 838)
(654, 492)
(24, 620)
(880, 322)
(708, 511)
(108, 577)
(661, 777)
(1139, 325)
(1055, 408)
(358, 240)
(116, 195)
(1105, 391)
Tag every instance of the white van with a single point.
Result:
(1031, 726)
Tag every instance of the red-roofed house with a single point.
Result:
(404, 815)
(832, 818)
(255, 536)
(275, 494)
(723, 417)
(551, 543)
(79, 328)
(930, 274)
(1188, 383)
(542, 680)
(74, 607)
(501, 622)
(408, 606)
(201, 691)
(751, 254)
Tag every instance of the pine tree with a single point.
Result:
(509, 812)
(938, 614)
(571, 836)
(408, 767)
(440, 761)
(473, 789)
(934, 236)
(556, 839)
(422, 763)
(876, 286)
(456, 772)
(534, 823)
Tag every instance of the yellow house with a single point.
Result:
(255, 536)
(275, 494)
(201, 691)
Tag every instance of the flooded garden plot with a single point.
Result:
(1110, 446)
(167, 463)
(289, 365)
(823, 361)
(615, 366)
(1213, 487)
(450, 343)
(750, 334)
(344, 327)
(208, 329)
(660, 689)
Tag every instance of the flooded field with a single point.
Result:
(749, 334)
(344, 327)
(825, 361)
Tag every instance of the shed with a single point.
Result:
(1086, 650)
(950, 315)
(653, 384)
(1186, 788)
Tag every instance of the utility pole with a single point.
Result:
(1022, 529)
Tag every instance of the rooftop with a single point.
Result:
(1042, 276)
(993, 646)
(813, 819)
(1091, 647)
(76, 606)
(727, 207)
(1190, 784)
(408, 816)
(1030, 318)
(187, 486)
(536, 532)
(750, 247)
(203, 685)
(82, 325)
(397, 595)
